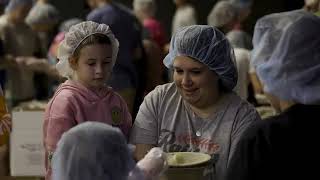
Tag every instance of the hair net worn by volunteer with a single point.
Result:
(207, 45)
(13, 4)
(75, 36)
(145, 5)
(222, 14)
(92, 151)
(98, 151)
(286, 58)
(42, 13)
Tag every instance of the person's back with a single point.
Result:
(281, 147)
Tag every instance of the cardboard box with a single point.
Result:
(26, 144)
(27, 120)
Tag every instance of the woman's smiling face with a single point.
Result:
(197, 84)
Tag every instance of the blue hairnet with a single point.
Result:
(286, 55)
(242, 4)
(207, 45)
(92, 151)
(13, 4)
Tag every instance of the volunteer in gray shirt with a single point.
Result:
(199, 112)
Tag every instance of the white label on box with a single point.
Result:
(26, 154)
(27, 120)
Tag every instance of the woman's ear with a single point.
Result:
(73, 63)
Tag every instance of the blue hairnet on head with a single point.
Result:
(13, 4)
(90, 151)
(207, 45)
(286, 55)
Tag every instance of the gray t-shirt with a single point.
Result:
(166, 120)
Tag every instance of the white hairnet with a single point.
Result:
(286, 55)
(92, 151)
(145, 5)
(239, 39)
(242, 4)
(73, 39)
(221, 14)
(13, 4)
(42, 13)
(207, 45)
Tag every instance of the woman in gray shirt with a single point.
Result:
(198, 112)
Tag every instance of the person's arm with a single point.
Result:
(58, 119)
(247, 115)
(257, 85)
(144, 133)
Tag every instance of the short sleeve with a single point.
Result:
(246, 116)
(145, 128)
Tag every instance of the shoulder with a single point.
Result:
(243, 111)
(61, 99)
(114, 96)
(162, 96)
(168, 89)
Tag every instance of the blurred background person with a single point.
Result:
(20, 42)
(145, 11)
(185, 15)
(154, 40)
(43, 18)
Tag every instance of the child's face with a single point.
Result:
(94, 65)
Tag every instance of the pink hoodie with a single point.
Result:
(73, 103)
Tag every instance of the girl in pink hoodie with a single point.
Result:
(86, 57)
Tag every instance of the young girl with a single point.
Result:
(86, 57)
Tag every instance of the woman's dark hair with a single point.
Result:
(90, 40)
